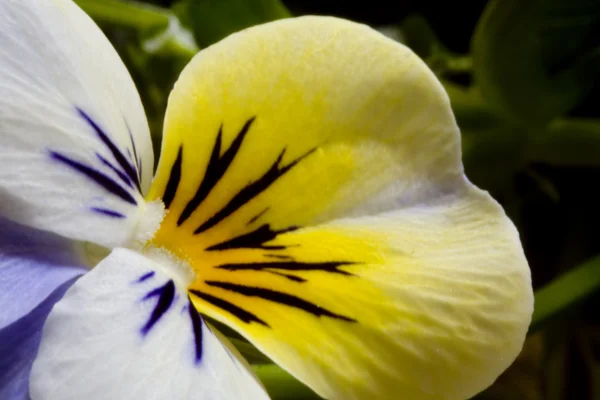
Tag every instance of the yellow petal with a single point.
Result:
(311, 169)
(310, 111)
(428, 302)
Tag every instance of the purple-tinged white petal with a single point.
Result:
(127, 330)
(74, 141)
(32, 265)
(19, 343)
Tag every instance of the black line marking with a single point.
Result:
(138, 161)
(165, 294)
(197, 329)
(102, 180)
(279, 298)
(174, 178)
(145, 277)
(257, 216)
(107, 212)
(279, 256)
(251, 190)
(253, 240)
(216, 168)
(291, 277)
(129, 169)
(231, 308)
(140, 167)
(330, 266)
(116, 170)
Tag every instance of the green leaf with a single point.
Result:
(493, 149)
(212, 20)
(566, 291)
(420, 37)
(572, 142)
(470, 110)
(282, 386)
(250, 353)
(493, 154)
(158, 28)
(536, 59)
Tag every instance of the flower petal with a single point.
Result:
(312, 172)
(32, 265)
(74, 142)
(297, 122)
(431, 301)
(19, 344)
(126, 330)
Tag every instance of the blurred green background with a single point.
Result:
(522, 76)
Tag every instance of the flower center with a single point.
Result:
(174, 267)
(152, 214)
(177, 269)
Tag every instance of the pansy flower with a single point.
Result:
(309, 194)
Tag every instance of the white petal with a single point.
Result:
(125, 331)
(73, 134)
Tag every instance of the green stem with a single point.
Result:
(566, 291)
(459, 63)
(282, 386)
(162, 24)
(130, 14)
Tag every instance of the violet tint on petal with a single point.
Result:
(32, 265)
(19, 343)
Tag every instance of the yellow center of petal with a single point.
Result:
(176, 265)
